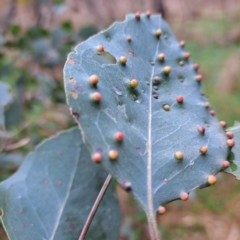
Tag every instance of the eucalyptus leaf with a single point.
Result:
(233, 157)
(155, 123)
(52, 194)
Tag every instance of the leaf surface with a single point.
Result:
(234, 156)
(152, 134)
(51, 195)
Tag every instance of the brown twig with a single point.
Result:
(95, 207)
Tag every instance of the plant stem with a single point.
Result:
(153, 229)
(95, 207)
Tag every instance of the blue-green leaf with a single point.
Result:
(52, 194)
(154, 123)
(234, 156)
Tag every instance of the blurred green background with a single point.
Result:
(37, 35)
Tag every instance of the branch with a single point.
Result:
(95, 207)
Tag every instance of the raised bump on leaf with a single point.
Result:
(100, 49)
(226, 164)
(97, 157)
(187, 55)
(156, 79)
(161, 210)
(129, 39)
(119, 136)
(206, 104)
(203, 150)
(137, 15)
(96, 97)
(158, 33)
(212, 112)
(201, 129)
(182, 44)
(178, 155)
(123, 60)
(212, 180)
(181, 63)
(230, 135)
(161, 57)
(127, 186)
(167, 70)
(148, 13)
(166, 107)
(223, 124)
(199, 78)
(184, 196)
(113, 154)
(180, 99)
(231, 143)
(93, 79)
(196, 66)
(133, 83)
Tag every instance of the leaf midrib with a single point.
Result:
(149, 166)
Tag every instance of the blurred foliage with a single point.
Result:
(31, 63)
